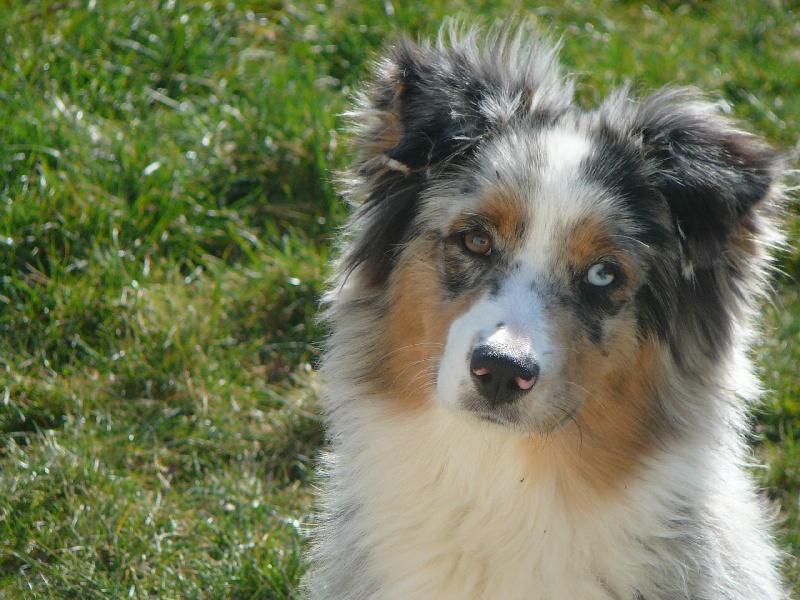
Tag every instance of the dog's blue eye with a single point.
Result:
(601, 275)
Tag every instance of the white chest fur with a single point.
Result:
(452, 510)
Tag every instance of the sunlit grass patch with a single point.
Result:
(167, 208)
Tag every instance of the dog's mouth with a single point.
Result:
(527, 424)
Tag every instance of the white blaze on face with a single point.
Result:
(562, 195)
(512, 318)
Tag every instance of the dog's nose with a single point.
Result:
(502, 376)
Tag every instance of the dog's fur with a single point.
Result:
(537, 383)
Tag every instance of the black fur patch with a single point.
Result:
(438, 102)
(383, 224)
(710, 173)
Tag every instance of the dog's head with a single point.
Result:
(536, 265)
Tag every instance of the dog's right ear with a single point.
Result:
(405, 125)
(427, 110)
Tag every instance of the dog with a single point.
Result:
(536, 378)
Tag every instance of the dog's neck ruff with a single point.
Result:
(451, 510)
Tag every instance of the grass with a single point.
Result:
(166, 215)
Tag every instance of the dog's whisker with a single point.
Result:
(413, 364)
(580, 387)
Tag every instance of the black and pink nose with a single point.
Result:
(502, 376)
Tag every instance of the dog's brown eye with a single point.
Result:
(478, 242)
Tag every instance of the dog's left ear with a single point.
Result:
(714, 177)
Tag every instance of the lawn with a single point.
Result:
(167, 218)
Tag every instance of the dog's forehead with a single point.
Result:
(544, 181)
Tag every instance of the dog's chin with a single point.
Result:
(517, 419)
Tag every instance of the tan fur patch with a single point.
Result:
(618, 426)
(589, 240)
(417, 325)
(387, 133)
(508, 211)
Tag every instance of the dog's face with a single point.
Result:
(538, 265)
(545, 262)
(520, 297)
